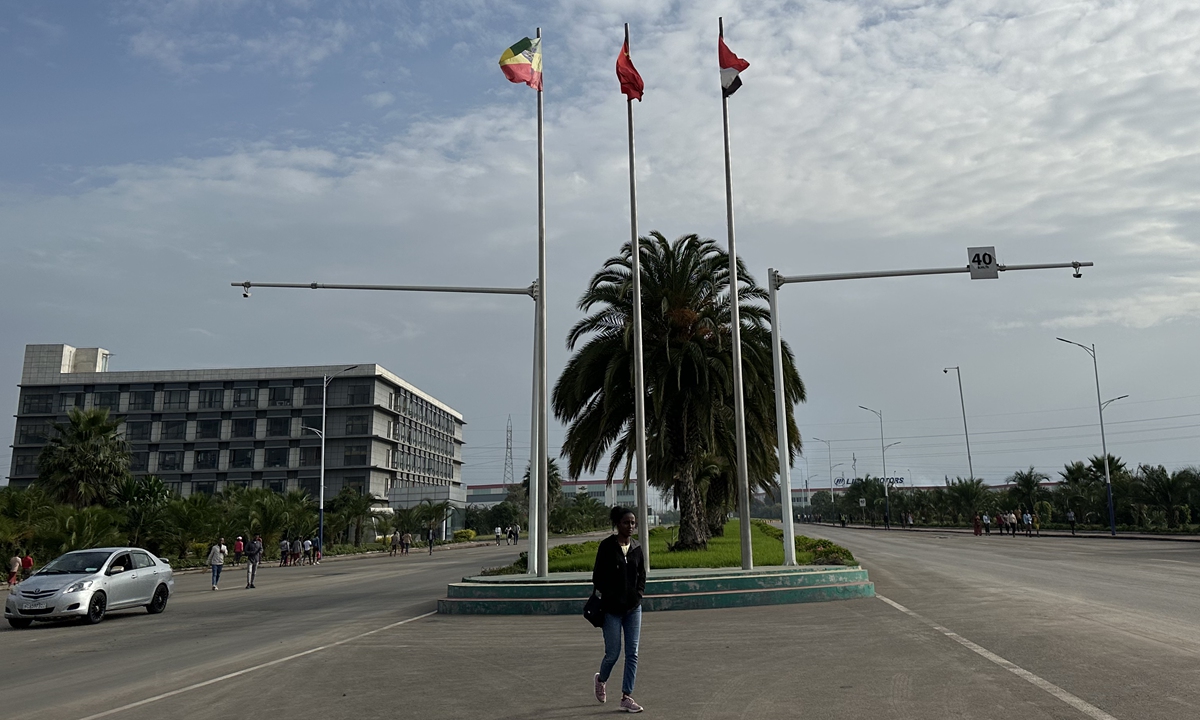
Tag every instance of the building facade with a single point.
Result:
(204, 430)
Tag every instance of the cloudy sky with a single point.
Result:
(156, 151)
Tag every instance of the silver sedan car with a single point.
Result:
(89, 583)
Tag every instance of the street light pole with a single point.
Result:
(887, 500)
(829, 452)
(325, 380)
(1112, 516)
(967, 435)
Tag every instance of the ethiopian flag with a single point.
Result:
(522, 63)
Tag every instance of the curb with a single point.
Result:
(1087, 534)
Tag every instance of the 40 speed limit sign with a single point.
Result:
(983, 263)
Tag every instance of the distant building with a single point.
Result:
(615, 494)
(204, 430)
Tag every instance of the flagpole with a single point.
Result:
(735, 321)
(531, 555)
(639, 379)
(543, 416)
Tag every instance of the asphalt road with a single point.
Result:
(975, 628)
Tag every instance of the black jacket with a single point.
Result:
(620, 578)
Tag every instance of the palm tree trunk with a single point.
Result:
(693, 526)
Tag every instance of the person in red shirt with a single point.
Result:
(26, 566)
(238, 549)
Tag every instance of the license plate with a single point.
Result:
(33, 606)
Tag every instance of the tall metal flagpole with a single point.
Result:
(739, 410)
(639, 380)
(543, 509)
(531, 556)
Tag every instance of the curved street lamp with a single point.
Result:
(1091, 350)
(325, 380)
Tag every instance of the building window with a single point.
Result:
(245, 397)
(212, 399)
(66, 401)
(355, 483)
(37, 404)
(358, 395)
(279, 397)
(312, 486)
(313, 422)
(243, 427)
(206, 459)
(277, 457)
(355, 455)
(208, 429)
(108, 400)
(25, 463)
(137, 431)
(277, 486)
(34, 433)
(313, 395)
(357, 424)
(139, 461)
(170, 461)
(141, 400)
(279, 427)
(175, 400)
(241, 458)
(174, 430)
(204, 488)
(310, 456)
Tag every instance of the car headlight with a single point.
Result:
(79, 586)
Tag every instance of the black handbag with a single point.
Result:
(593, 610)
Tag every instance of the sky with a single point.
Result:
(154, 152)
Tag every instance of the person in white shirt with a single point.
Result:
(216, 559)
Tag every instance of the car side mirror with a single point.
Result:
(116, 569)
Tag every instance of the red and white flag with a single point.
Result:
(731, 66)
(631, 81)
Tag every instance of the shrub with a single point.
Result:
(199, 550)
(466, 535)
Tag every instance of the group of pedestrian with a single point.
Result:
(252, 551)
(20, 566)
(400, 543)
(1026, 522)
(511, 534)
(299, 551)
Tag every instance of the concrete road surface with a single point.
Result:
(971, 628)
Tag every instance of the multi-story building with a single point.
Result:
(204, 430)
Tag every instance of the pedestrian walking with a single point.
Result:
(619, 578)
(285, 551)
(1012, 523)
(395, 543)
(977, 525)
(432, 536)
(238, 548)
(216, 560)
(308, 551)
(26, 566)
(406, 542)
(508, 532)
(516, 533)
(1037, 525)
(987, 524)
(910, 521)
(1071, 520)
(14, 569)
(498, 532)
(1027, 519)
(317, 550)
(297, 551)
(254, 551)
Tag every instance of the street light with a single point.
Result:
(325, 380)
(829, 452)
(887, 500)
(961, 401)
(1112, 516)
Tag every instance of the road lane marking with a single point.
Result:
(1074, 701)
(260, 666)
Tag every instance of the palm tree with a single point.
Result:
(1166, 491)
(553, 481)
(967, 497)
(84, 461)
(142, 501)
(688, 369)
(1027, 487)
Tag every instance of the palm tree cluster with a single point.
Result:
(688, 362)
(1148, 498)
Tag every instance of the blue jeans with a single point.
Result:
(216, 573)
(631, 624)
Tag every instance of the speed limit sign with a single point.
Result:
(983, 264)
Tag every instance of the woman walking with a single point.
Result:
(619, 577)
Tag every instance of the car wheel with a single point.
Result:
(96, 609)
(159, 602)
(20, 623)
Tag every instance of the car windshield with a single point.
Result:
(76, 562)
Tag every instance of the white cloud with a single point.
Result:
(380, 99)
